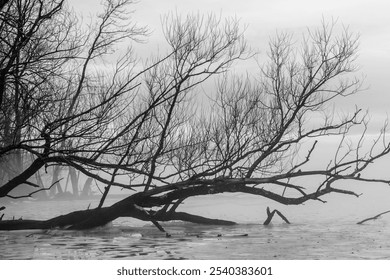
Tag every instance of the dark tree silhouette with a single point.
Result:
(150, 127)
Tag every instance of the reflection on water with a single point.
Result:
(131, 239)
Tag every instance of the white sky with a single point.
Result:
(369, 18)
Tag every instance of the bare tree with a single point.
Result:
(59, 102)
(28, 65)
(257, 137)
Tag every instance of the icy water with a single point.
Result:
(316, 232)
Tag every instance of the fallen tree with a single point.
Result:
(140, 130)
(168, 199)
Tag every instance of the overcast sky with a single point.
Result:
(369, 18)
(263, 18)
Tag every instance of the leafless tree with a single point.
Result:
(258, 136)
(29, 34)
(54, 103)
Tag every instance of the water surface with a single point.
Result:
(313, 234)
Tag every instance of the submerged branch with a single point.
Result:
(270, 215)
(373, 218)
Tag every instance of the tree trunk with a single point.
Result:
(91, 218)
(56, 189)
(87, 188)
(43, 193)
(74, 180)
